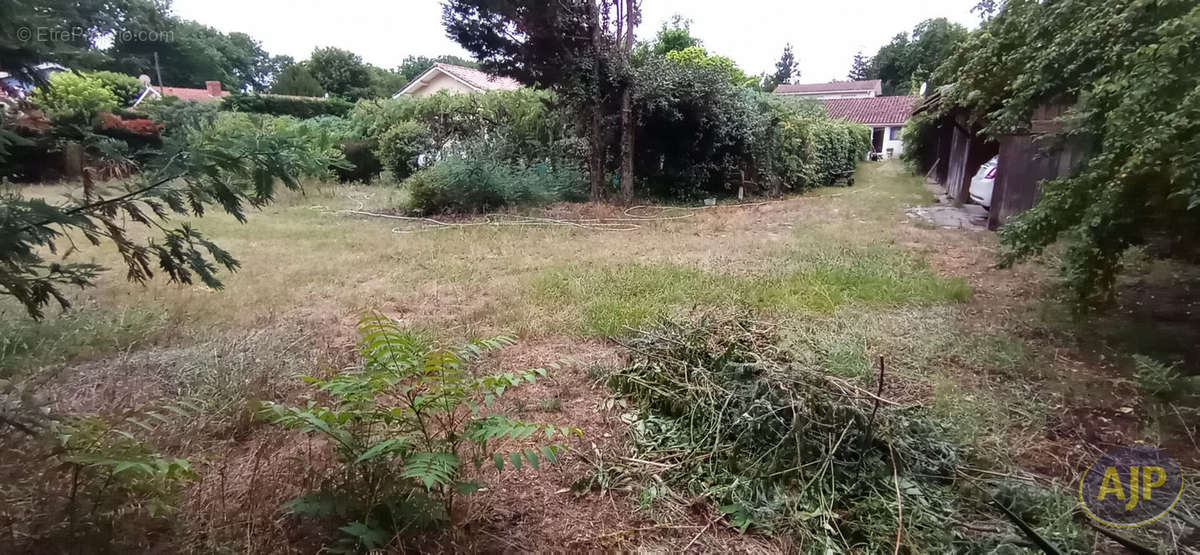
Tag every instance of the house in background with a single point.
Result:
(455, 79)
(860, 101)
(885, 115)
(835, 89)
(211, 92)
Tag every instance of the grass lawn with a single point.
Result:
(843, 272)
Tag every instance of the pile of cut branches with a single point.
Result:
(723, 413)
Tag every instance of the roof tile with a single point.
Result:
(479, 79)
(875, 110)
(184, 93)
(832, 87)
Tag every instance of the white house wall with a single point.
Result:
(897, 145)
(441, 82)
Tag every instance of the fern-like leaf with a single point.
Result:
(432, 468)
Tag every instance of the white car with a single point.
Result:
(983, 182)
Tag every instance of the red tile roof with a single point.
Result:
(875, 110)
(184, 93)
(833, 87)
(479, 79)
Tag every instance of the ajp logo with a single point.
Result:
(1131, 486)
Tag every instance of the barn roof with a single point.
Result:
(875, 110)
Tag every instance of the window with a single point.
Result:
(894, 133)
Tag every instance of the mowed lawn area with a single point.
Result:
(844, 273)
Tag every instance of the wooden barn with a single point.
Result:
(1024, 159)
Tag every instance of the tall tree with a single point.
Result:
(569, 46)
(384, 82)
(193, 54)
(632, 16)
(860, 68)
(786, 69)
(674, 35)
(340, 72)
(82, 25)
(903, 62)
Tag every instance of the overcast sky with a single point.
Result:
(825, 35)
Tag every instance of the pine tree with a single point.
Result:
(786, 68)
(861, 68)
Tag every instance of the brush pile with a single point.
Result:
(782, 447)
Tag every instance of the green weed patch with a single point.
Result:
(608, 300)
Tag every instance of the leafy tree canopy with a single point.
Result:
(340, 72)
(903, 63)
(96, 19)
(1131, 72)
(553, 48)
(193, 54)
(384, 82)
(675, 35)
(695, 55)
(297, 80)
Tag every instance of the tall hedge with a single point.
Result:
(700, 133)
(277, 105)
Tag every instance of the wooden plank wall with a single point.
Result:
(945, 135)
(1022, 165)
(956, 169)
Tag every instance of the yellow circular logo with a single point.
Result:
(1131, 486)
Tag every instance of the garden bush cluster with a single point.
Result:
(698, 134)
(702, 133)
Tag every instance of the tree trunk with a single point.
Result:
(627, 131)
(627, 127)
(72, 161)
(596, 161)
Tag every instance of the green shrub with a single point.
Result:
(479, 184)
(338, 128)
(920, 142)
(808, 149)
(360, 154)
(74, 97)
(523, 125)
(309, 145)
(403, 426)
(1161, 380)
(699, 133)
(91, 480)
(178, 116)
(126, 88)
(401, 146)
(277, 105)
